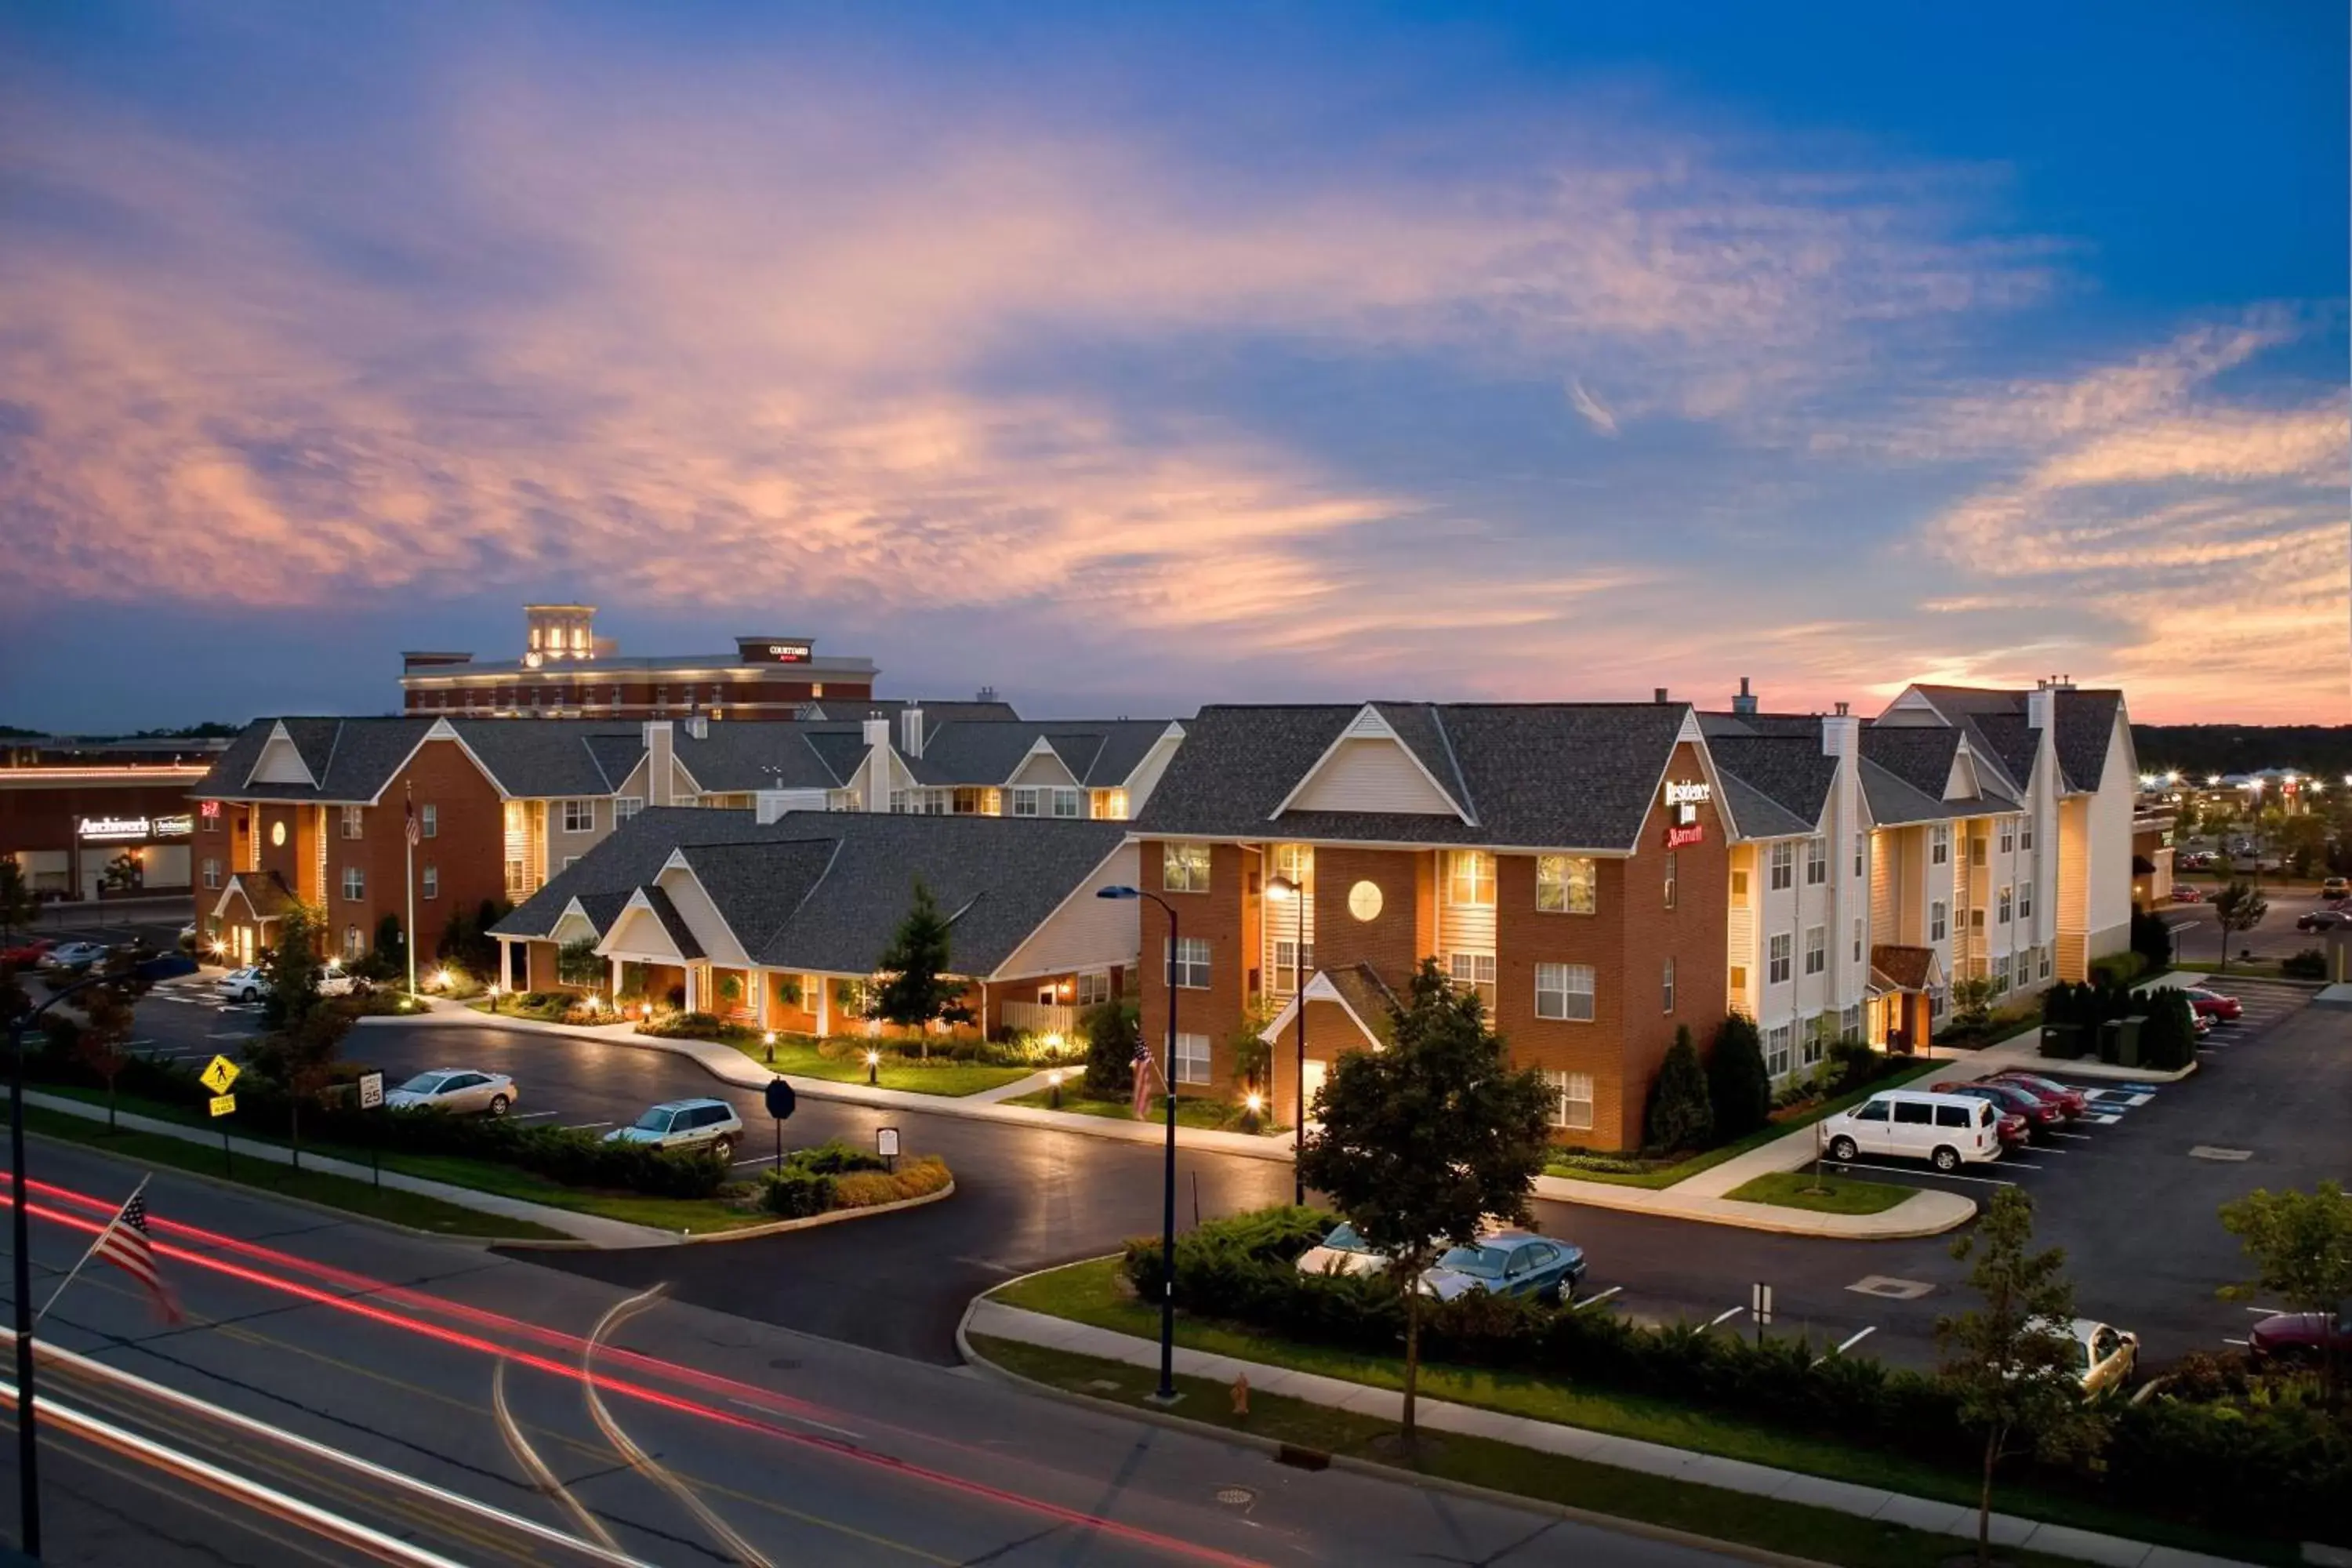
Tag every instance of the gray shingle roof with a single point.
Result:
(2086, 721)
(2010, 740)
(1101, 753)
(1893, 802)
(1920, 755)
(736, 755)
(626, 858)
(1546, 775)
(351, 759)
(1787, 769)
(1757, 814)
(666, 911)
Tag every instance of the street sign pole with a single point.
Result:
(371, 1099)
(1759, 1307)
(781, 1103)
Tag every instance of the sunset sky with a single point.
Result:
(1131, 359)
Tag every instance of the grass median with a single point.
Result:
(796, 1057)
(1095, 1292)
(1823, 1194)
(1208, 1114)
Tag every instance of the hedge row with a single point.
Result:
(835, 1176)
(2271, 1468)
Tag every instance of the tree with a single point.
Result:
(2238, 907)
(915, 988)
(1680, 1116)
(1972, 1001)
(2301, 1244)
(104, 1039)
(577, 962)
(2151, 939)
(1251, 1052)
(2168, 1041)
(1112, 1030)
(2012, 1359)
(18, 908)
(1425, 1141)
(292, 966)
(1738, 1089)
(307, 1062)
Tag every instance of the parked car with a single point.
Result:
(2336, 888)
(1342, 1252)
(247, 984)
(2070, 1100)
(457, 1089)
(2324, 919)
(2202, 1021)
(2213, 1004)
(2299, 1337)
(2185, 893)
(683, 1124)
(73, 957)
(343, 983)
(2105, 1356)
(27, 954)
(1947, 1130)
(2038, 1114)
(1507, 1263)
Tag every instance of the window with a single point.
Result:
(1936, 916)
(1976, 848)
(1784, 866)
(1874, 1111)
(1776, 1051)
(428, 821)
(354, 817)
(2008, 836)
(1817, 861)
(210, 821)
(2042, 968)
(1470, 878)
(1670, 986)
(1672, 871)
(1817, 949)
(1951, 1116)
(1939, 844)
(2025, 833)
(212, 873)
(898, 800)
(1286, 966)
(1939, 1000)
(1571, 1102)
(579, 817)
(1738, 977)
(1024, 802)
(1109, 805)
(2008, 906)
(2025, 900)
(969, 801)
(354, 944)
(1914, 1113)
(569, 861)
(1814, 1036)
(2000, 972)
(625, 807)
(1068, 803)
(1474, 972)
(354, 882)
(1193, 964)
(1850, 1023)
(1776, 960)
(1184, 869)
(1739, 889)
(1191, 1058)
(1564, 991)
(1976, 918)
(1857, 940)
(1566, 885)
(1858, 853)
(432, 877)
(1094, 988)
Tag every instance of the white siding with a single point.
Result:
(1146, 777)
(772, 803)
(637, 934)
(1044, 768)
(280, 762)
(1371, 775)
(701, 917)
(1086, 932)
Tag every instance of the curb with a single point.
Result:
(1766, 1219)
(1162, 1418)
(809, 1222)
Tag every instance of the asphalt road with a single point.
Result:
(384, 1347)
(2196, 940)
(2135, 1212)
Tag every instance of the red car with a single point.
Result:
(2184, 894)
(2299, 1337)
(2029, 1111)
(26, 954)
(2213, 1004)
(2069, 1101)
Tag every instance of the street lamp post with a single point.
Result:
(28, 1490)
(1166, 1394)
(1284, 888)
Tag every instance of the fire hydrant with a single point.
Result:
(1241, 1397)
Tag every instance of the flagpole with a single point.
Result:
(92, 1251)
(408, 884)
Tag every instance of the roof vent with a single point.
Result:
(986, 694)
(1659, 694)
(1745, 702)
(698, 726)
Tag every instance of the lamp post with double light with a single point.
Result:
(1166, 1394)
(1283, 890)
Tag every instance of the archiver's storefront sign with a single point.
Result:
(134, 829)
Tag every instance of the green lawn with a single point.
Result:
(1668, 1176)
(1795, 1190)
(336, 1192)
(1215, 1115)
(1792, 1528)
(798, 1056)
(1093, 1292)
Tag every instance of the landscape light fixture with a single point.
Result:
(1166, 1393)
(1053, 1081)
(873, 1068)
(769, 1039)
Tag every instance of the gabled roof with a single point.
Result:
(1100, 753)
(2009, 740)
(264, 892)
(1358, 988)
(934, 712)
(1789, 770)
(1893, 803)
(739, 755)
(1540, 776)
(1920, 756)
(664, 909)
(349, 759)
(1905, 968)
(2086, 721)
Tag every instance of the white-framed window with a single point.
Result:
(1094, 988)
(1069, 801)
(1191, 1058)
(2000, 974)
(210, 824)
(1859, 853)
(2025, 900)
(354, 943)
(1673, 875)
(1939, 1001)
(1287, 965)
(354, 820)
(1109, 805)
(428, 821)
(1669, 986)
(1470, 878)
(1857, 940)
(1778, 951)
(432, 880)
(1776, 1040)
(1814, 1035)
(1571, 1099)
(2007, 905)
(1939, 916)
(1567, 885)
(212, 872)
(1977, 855)
(625, 807)
(1817, 861)
(1024, 801)
(580, 816)
(1939, 844)
(569, 861)
(2025, 832)
(2008, 836)
(1564, 992)
(1473, 972)
(900, 800)
(1784, 861)
(1850, 1023)
(354, 882)
(1193, 964)
(1184, 867)
(2042, 967)
(1817, 949)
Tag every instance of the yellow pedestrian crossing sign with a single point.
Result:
(219, 1074)
(223, 1104)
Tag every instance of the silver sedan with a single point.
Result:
(455, 1089)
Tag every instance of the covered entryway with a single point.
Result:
(1342, 1010)
(1901, 1014)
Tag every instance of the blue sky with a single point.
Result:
(1128, 360)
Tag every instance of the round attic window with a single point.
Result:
(1364, 901)
(278, 834)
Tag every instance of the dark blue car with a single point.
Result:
(1508, 1263)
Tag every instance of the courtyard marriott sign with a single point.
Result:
(134, 829)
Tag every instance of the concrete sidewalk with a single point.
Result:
(594, 1229)
(993, 1318)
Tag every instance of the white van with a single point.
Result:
(1948, 1130)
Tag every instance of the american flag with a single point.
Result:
(415, 837)
(1144, 1068)
(126, 1244)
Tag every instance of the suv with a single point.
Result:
(1946, 1130)
(684, 1124)
(2336, 888)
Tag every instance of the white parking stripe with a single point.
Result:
(581, 1126)
(1596, 1300)
(1733, 1313)
(1907, 1171)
